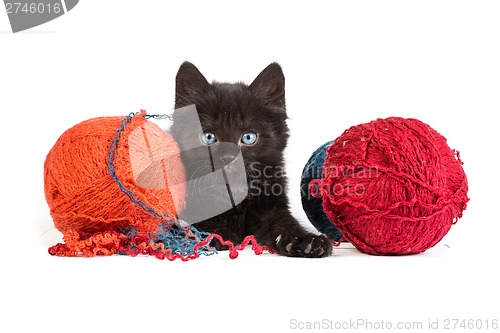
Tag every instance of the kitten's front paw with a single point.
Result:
(309, 246)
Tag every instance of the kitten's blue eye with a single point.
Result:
(208, 138)
(249, 138)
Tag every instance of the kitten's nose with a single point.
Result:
(227, 158)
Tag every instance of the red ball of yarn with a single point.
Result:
(84, 197)
(393, 186)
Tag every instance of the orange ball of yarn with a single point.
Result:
(84, 197)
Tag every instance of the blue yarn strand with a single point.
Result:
(169, 232)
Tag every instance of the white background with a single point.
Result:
(345, 63)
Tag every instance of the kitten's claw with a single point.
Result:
(307, 249)
(278, 239)
(310, 246)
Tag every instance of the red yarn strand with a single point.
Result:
(111, 242)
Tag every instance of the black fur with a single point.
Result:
(228, 110)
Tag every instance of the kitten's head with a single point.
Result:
(251, 117)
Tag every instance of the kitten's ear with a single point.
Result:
(270, 85)
(189, 83)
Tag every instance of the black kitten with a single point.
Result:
(234, 162)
